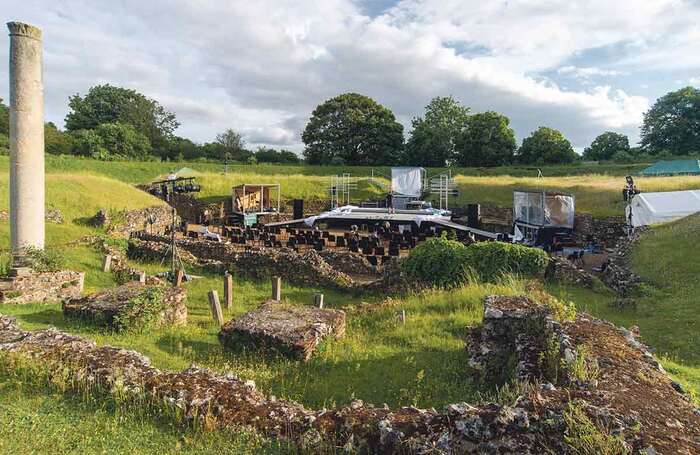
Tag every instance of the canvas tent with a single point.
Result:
(407, 181)
(654, 208)
(675, 167)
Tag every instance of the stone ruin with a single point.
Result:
(123, 223)
(105, 307)
(292, 331)
(41, 287)
(629, 396)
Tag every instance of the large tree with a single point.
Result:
(232, 146)
(546, 146)
(111, 141)
(56, 142)
(673, 123)
(353, 129)
(605, 146)
(110, 104)
(434, 137)
(487, 140)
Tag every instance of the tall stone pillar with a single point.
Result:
(26, 139)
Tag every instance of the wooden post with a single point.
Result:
(141, 277)
(402, 316)
(179, 276)
(107, 263)
(216, 307)
(276, 288)
(318, 300)
(228, 290)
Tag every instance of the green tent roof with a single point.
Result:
(675, 167)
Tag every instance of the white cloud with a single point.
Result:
(261, 67)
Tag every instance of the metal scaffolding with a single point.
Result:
(444, 186)
(340, 188)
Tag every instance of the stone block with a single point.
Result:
(41, 287)
(103, 307)
(293, 331)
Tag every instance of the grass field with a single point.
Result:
(380, 360)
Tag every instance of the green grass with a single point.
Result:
(36, 419)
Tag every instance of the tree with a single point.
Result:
(4, 119)
(270, 155)
(110, 104)
(112, 141)
(434, 138)
(546, 146)
(605, 146)
(354, 128)
(673, 123)
(487, 140)
(56, 142)
(232, 146)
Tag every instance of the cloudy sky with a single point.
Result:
(261, 66)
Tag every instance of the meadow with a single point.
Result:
(380, 360)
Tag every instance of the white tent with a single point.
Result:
(653, 208)
(407, 181)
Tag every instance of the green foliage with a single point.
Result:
(433, 138)
(57, 142)
(355, 128)
(486, 141)
(583, 368)
(622, 157)
(110, 104)
(546, 146)
(270, 155)
(605, 146)
(4, 119)
(111, 141)
(672, 123)
(4, 144)
(438, 262)
(47, 260)
(584, 438)
(231, 146)
(141, 312)
(491, 260)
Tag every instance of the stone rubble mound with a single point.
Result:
(293, 331)
(104, 306)
(42, 287)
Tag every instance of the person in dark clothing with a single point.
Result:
(390, 202)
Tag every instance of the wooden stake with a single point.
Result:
(216, 307)
(276, 288)
(179, 276)
(318, 300)
(402, 315)
(228, 290)
(107, 263)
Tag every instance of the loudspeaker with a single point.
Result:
(474, 215)
(298, 208)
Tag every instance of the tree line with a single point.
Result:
(115, 123)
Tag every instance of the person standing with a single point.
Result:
(390, 202)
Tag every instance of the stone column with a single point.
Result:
(26, 139)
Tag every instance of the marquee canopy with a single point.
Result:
(654, 208)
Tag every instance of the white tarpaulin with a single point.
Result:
(407, 181)
(653, 208)
(544, 209)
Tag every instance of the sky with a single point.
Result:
(261, 67)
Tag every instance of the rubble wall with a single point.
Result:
(44, 287)
(124, 223)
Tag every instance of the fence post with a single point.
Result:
(276, 288)
(216, 308)
(107, 263)
(179, 276)
(228, 290)
(318, 300)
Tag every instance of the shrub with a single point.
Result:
(45, 260)
(438, 262)
(491, 260)
(141, 312)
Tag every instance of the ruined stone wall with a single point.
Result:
(124, 223)
(44, 287)
(605, 231)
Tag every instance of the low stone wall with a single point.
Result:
(52, 215)
(349, 263)
(124, 223)
(308, 269)
(649, 415)
(605, 231)
(103, 307)
(561, 270)
(42, 287)
(617, 275)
